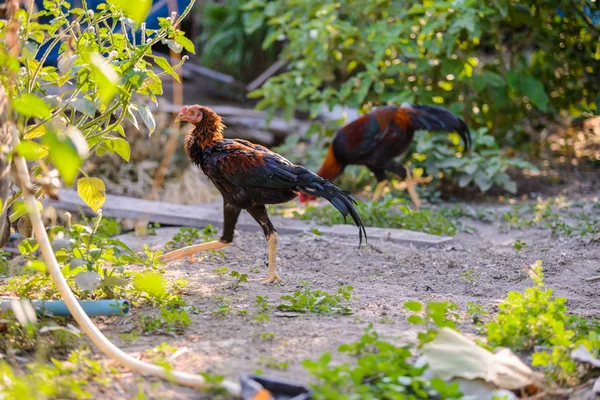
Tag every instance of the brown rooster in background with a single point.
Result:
(250, 176)
(376, 138)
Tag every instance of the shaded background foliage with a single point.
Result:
(509, 68)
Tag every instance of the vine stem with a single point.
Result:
(85, 323)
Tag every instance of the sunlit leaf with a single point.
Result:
(186, 43)
(84, 105)
(147, 117)
(38, 131)
(121, 147)
(136, 10)
(164, 64)
(31, 150)
(150, 282)
(28, 246)
(36, 265)
(92, 191)
(30, 105)
(105, 76)
(67, 150)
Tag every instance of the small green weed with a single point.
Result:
(238, 279)
(261, 318)
(519, 245)
(270, 362)
(188, 236)
(318, 301)
(537, 318)
(58, 380)
(221, 271)
(433, 316)
(476, 311)
(380, 371)
(471, 277)
(169, 321)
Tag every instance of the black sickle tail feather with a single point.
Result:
(314, 185)
(436, 118)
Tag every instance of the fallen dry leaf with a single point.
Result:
(453, 355)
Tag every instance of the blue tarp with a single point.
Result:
(159, 8)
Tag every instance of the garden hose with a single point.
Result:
(85, 323)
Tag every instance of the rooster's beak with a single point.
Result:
(179, 117)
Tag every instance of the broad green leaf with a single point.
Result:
(147, 117)
(136, 10)
(252, 21)
(186, 43)
(416, 320)
(84, 105)
(413, 306)
(164, 64)
(66, 152)
(534, 89)
(493, 79)
(36, 132)
(30, 105)
(92, 191)
(28, 246)
(31, 150)
(105, 76)
(121, 147)
(88, 281)
(36, 265)
(150, 282)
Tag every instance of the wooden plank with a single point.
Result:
(198, 216)
(269, 72)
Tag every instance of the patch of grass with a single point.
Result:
(391, 213)
(58, 380)
(318, 301)
(271, 362)
(189, 236)
(432, 316)
(380, 370)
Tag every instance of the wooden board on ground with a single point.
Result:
(198, 216)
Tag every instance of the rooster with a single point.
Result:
(376, 138)
(250, 176)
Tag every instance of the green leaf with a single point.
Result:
(92, 191)
(28, 246)
(30, 105)
(88, 281)
(105, 77)
(84, 106)
(36, 265)
(36, 132)
(415, 319)
(186, 43)
(136, 10)
(164, 64)
(66, 152)
(413, 306)
(150, 282)
(31, 150)
(252, 21)
(121, 147)
(147, 117)
(534, 89)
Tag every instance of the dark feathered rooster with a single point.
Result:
(376, 138)
(250, 176)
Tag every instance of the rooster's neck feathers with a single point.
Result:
(204, 134)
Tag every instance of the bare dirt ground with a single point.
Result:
(384, 275)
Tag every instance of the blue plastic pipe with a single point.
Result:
(93, 308)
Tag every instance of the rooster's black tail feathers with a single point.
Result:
(436, 118)
(314, 185)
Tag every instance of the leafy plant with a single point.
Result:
(433, 316)
(100, 67)
(318, 301)
(60, 379)
(538, 320)
(493, 62)
(485, 166)
(379, 370)
(169, 321)
(225, 24)
(188, 236)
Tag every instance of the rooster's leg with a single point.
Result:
(231, 214)
(404, 173)
(379, 190)
(259, 213)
